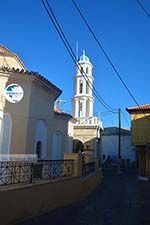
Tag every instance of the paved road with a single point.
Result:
(119, 200)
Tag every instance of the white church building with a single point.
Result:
(30, 127)
(28, 131)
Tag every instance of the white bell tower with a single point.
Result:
(83, 99)
(87, 128)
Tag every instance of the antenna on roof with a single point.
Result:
(58, 103)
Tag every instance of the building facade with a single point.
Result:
(29, 127)
(87, 128)
(140, 127)
(109, 145)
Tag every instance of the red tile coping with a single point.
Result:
(140, 108)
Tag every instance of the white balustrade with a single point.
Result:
(91, 121)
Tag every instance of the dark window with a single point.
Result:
(81, 87)
(87, 70)
(39, 149)
(104, 156)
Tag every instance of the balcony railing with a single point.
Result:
(91, 121)
(88, 168)
(15, 172)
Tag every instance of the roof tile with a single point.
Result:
(142, 108)
(31, 73)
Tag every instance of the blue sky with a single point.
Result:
(122, 27)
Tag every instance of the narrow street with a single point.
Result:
(118, 200)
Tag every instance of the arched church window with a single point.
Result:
(41, 139)
(81, 87)
(87, 70)
(5, 133)
(56, 146)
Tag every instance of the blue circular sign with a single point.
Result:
(14, 93)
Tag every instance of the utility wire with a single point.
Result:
(105, 53)
(143, 8)
(77, 64)
(106, 113)
(71, 53)
(125, 118)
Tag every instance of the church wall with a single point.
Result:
(60, 124)
(41, 108)
(71, 124)
(18, 111)
(37, 104)
(86, 132)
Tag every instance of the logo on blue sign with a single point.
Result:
(14, 93)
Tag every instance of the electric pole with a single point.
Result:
(119, 134)
(119, 141)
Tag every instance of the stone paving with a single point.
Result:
(118, 200)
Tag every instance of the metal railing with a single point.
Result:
(14, 172)
(88, 168)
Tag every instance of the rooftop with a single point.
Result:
(30, 73)
(140, 108)
(84, 58)
(115, 131)
(5, 52)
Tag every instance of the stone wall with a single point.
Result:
(22, 201)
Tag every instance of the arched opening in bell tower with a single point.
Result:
(81, 87)
(87, 70)
(87, 87)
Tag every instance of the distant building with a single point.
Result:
(87, 129)
(140, 127)
(29, 126)
(109, 144)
